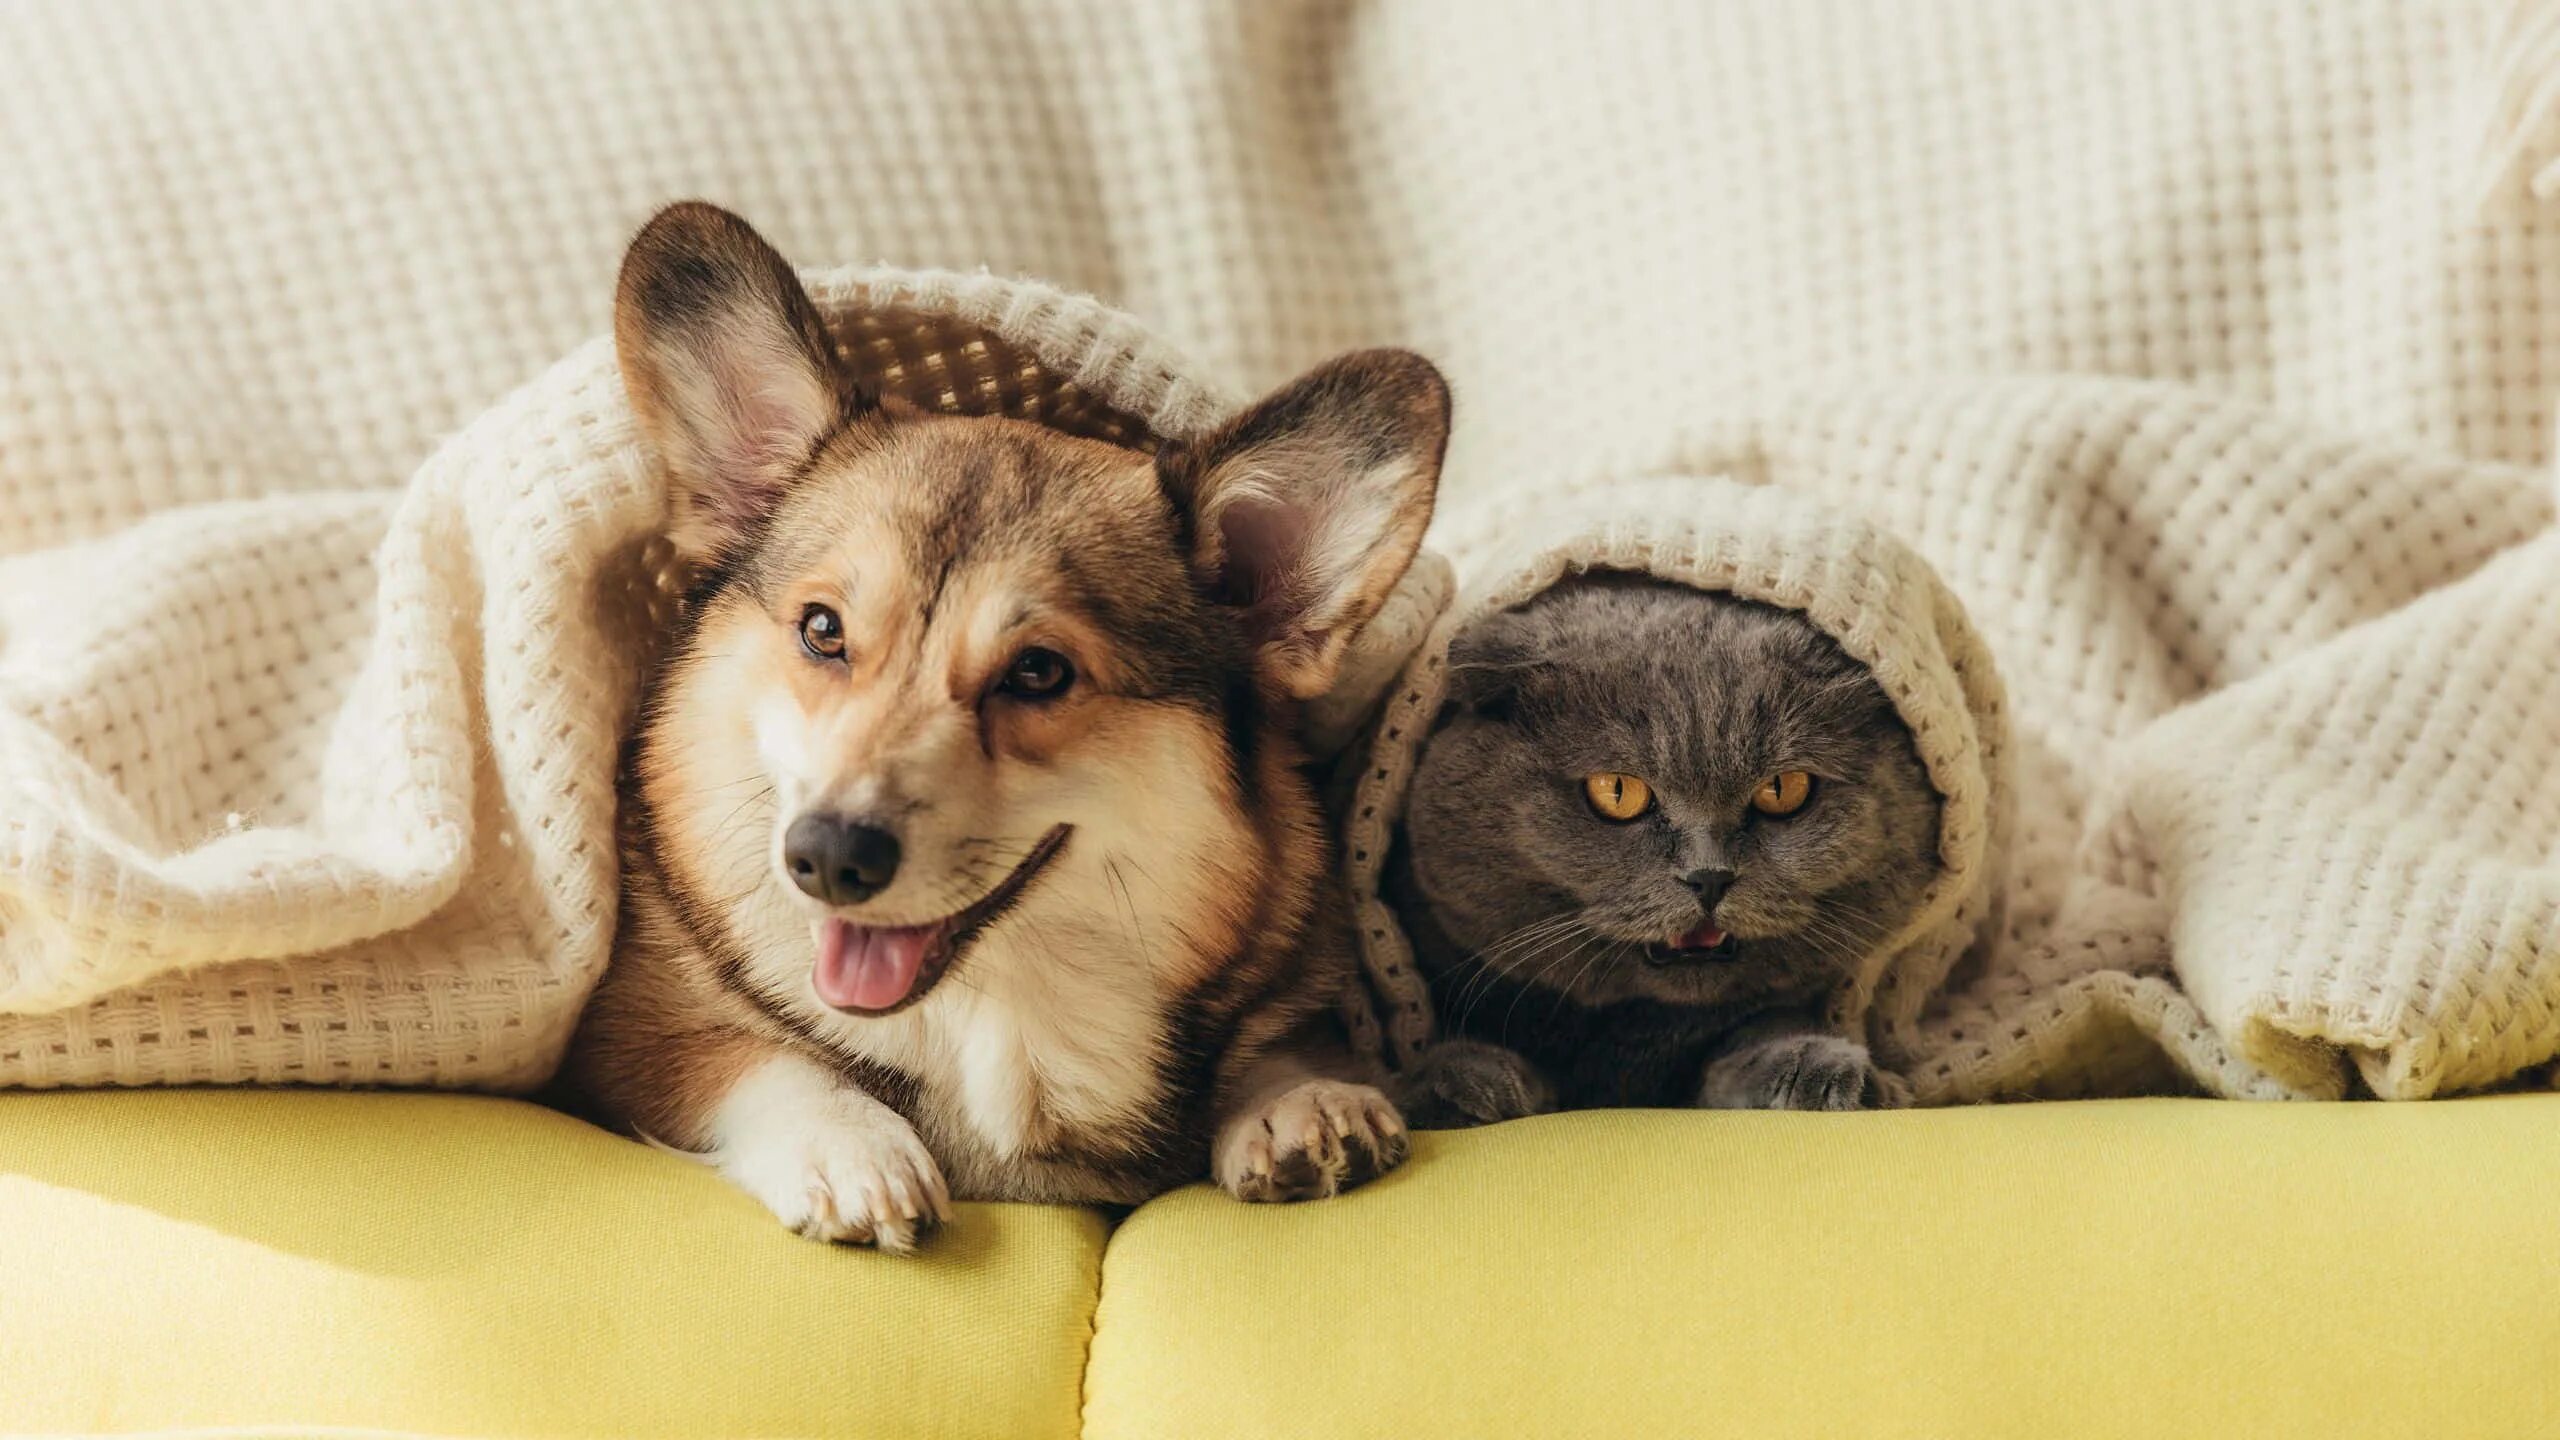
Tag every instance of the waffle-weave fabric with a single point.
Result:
(301, 778)
(2268, 804)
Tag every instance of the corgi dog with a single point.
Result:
(969, 848)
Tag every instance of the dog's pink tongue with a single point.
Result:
(863, 968)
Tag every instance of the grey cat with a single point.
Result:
(1654, 830)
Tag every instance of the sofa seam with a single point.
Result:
(1092, 1329)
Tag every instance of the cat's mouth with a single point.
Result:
(1703, 945)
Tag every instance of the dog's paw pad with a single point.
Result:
(1319, 1138)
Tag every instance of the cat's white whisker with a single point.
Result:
(1481, 984)
(1588, 935)
(1499, 958)
(1564, 992)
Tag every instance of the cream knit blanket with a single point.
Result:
(301, 777)
(2274, 795)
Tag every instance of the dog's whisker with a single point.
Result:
(1120, 890)
(758, 798)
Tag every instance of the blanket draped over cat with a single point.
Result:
(2270, 805)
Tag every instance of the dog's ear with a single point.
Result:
(1304, 511)
(728, 368)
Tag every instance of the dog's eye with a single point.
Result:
(822, 632)
(1037, 674)
(1784, 793)
(1617, 797)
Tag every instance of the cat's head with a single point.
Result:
(1644, 790)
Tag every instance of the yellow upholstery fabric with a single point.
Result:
(275, 1263)
(288, 1263)
(2160, 1268)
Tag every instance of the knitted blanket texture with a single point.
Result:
(2157, 392)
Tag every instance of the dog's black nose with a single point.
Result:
(837, 860)
(1709, 886)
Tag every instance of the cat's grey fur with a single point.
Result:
(1542, 927)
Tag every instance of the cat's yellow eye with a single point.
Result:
(1617, 797)
(1783, 793)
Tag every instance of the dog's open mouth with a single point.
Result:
(1703, 944)
(877, 969)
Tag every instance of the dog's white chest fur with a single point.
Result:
(1014, 1055)
(1025, 1072)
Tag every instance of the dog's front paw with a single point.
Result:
(1458, 1083)
(833, 1164)
(1798, 1072)
(1317, 1138)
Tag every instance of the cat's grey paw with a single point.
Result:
(1799, 1072)
(1459, 1083)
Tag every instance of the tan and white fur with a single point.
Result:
(970, 850)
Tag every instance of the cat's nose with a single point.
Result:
(1709, 886)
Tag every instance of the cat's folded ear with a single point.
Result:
(1304, 511)
(728, 367)
(1487, 659)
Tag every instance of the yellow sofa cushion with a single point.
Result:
(2158, 1268)
(282, 1263)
